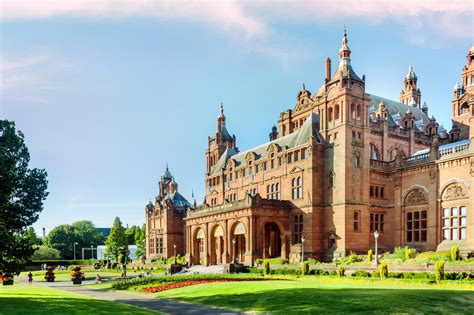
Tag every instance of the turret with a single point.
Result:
(410, 94)
(327, 76)
(274, 134)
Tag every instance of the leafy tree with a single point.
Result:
(132, 233)
(62, 238)
(22, 192)
(31, 234)
(86, 235)
(117, 239)
(46, 253)
(140, 241)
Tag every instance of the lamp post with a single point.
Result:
(74, 244)
(376, 236)
(92, 251)
(302, 247)
(174, 252)
(233, 250)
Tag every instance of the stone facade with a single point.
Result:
(341, 165)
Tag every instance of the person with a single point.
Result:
(98, 279)
(30, 278)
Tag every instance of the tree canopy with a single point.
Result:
(22, 193)
(117, 240)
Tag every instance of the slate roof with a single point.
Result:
(444, 146)
(289, 141)
(397, 110)
(177, 199)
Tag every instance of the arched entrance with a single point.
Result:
(199, 250)
(238, 242)
(272, 241)
(217, 244)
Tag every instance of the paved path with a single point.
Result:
(148, 301)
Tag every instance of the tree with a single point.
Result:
(46, 253)
(131, 233)
(140, 241)
(22, 193)
(31, 234)
(86, 235)
(117, 239)
(62, 238)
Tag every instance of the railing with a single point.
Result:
(454, 149)
(416, 159)
(381, 164)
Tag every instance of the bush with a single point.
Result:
(403, 253)
(361, 274)
(432, 257)
(341, 271)
(258, 261)
(254, 270)
(369, 255)
(454, 253)
(439, 271)
(266, 268)
(383, 271)
(375, 274)
(277, 261)
(305, 268)
(286, 271)
(313, 261)
(396, 275)
(179, 259)
(46, 253)
(352, 258)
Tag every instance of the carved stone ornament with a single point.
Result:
(454, 191)
(416, 196)
(472, 167)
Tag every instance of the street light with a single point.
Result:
(92, 251)
(376, 236)
(75, 243)
(174, 250)
(233, 250)
(302, 247)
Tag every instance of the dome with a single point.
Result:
(471, 50)
(411, 74)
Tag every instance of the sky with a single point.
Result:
(108, 92)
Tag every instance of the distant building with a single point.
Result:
(103, 231)
(342, 164)
(100, 254)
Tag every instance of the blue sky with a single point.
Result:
(107, 92)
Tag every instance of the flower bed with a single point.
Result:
(187, 283)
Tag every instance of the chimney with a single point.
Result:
(328, 70)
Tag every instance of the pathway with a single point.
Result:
(147, 301)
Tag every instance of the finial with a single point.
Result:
(344, 37)
(303, 88)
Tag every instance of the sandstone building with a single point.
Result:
(341, 165)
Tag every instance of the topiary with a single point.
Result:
(305, 268)
(455, 253)
(266, 268)
(361, 273)
(341, 271)
(369, 255)
(439, 271)
(383, 271)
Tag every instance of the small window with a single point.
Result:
(357, 221)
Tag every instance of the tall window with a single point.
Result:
(357, 221)
(376, 222)
(272, 161)
(159, 245)
(273, 191)
(417, 224)
(297, 228)
(296, 188)
(201, 246)
(454, 223)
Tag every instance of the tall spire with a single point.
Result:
(344, 52)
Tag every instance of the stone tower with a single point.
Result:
(411, 94)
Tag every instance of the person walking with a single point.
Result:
(30, 278)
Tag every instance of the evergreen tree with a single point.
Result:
(31, 234)
(22, 192)
(117, 240)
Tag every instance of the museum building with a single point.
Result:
(341, 165)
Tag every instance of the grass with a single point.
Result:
(331, 295)
(23, 299)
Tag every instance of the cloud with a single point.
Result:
(228, 15)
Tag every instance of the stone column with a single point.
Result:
(283, 246)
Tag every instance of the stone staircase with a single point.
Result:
(198, 269)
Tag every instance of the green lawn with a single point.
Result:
(326, 295)
(24, 299)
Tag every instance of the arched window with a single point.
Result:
(374, 152)
(357, 161)
(353, 112)
(336, 112)
(330, 114)
(359, 112)
(272, 160)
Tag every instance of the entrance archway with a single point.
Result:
(199, 250)
(238, 242)
(217, 244)
(272, 244)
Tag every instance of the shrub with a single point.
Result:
(254, 270)
(455, 253)
(341, 271)
(375, 274)
(403, 253)
(277, 261)
(383, 271)
(286, 271)
(410, 253)
(313, 261)
(179, 260)
(439, 271)
(396, 275)
(258, 261)
(361, 273)
(266, 268)
(352, 258)
(45, 253)
(304, 268)
(432, 257)
(369, 255)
